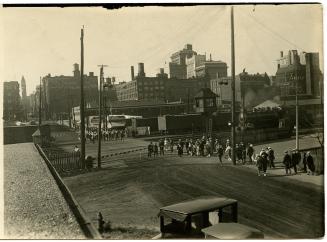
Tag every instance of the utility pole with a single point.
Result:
(233, 86)
(296, 114)
(81, 108)
(40, 104)
(100, 115)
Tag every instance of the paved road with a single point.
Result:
(131, 194)
(34, 207)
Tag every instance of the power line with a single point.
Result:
(276, 34)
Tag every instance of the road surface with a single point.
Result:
(130, 194)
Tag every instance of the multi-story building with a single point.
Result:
(211, 69)
(250, 90)
(12, 109)
(177, 66)
(61, 93)
(301, 71)
(192, 63)
(160, 88)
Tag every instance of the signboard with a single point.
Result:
(162, 125)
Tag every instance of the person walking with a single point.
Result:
(294, 161)
(271, 157)
(264, 163)
(156, 150)
(250, 153)
(259, 162)
(311, 164)
(287, 161)
(161, 147)
(220, 152)
(150, 149)
(304, 161)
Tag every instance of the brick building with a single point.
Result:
(61, 93)
(302, 69)
(12, 108)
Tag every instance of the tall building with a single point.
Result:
(211, 69)
(12, 109)
(177, 66)
(192, 63)
(24, 97)
(298, 70)
(61, 93)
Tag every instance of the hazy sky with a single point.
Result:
(38, 41)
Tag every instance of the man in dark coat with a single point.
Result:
(310, 163)
(287, 161)
(250, 152)
(271, 157)
(161, 147)
(295, 160)
(220, 152)
(150, 149)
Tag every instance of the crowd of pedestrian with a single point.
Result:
(292, 159)
(107, 134)
(244, 153)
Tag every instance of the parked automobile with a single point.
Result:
(202, 217)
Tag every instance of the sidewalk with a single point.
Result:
(34, 207)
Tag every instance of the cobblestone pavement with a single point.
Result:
(34, 207)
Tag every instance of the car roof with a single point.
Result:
(181, 210)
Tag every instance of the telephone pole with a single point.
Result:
(296, 114)
(40, 104)
(81, 108)
(233, 86)
(100, 115)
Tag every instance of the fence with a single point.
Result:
(64, 161)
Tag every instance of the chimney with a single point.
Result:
(132, 72)
(281, 54)
(113, 80)
(210, 57)
(141, 70)
(91, 73)
(162, 71)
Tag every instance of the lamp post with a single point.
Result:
(233, 87)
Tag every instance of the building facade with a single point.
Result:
(301, 72)
(211, 69)
(192, 63)
(12, 108)
(177, 66)
(61, 93)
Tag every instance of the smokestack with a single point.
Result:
(162, 70)
(141, 70)
(281, 54)
(132, 72)
(210, 57)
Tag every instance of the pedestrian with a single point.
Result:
(271, 157)
(311, 164)
(305, 163)
(287, 161)
(179, 149)
(171, 145)
(161, 147)
(264, 163)
(250, 153)
(155, 150)
(220, 152)
(150, 149)
(294, 161)
(228, 152)
(259, 163)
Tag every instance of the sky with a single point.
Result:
(38, 41)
